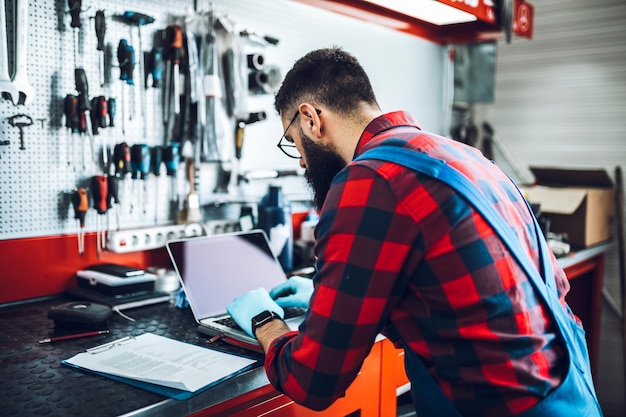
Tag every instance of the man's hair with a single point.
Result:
(329, 77)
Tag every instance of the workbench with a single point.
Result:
(34, 383)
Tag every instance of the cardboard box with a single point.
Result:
(580, 203)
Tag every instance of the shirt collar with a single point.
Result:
(382, 123)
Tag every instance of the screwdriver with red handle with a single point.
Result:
(80, 201)
(99, 193)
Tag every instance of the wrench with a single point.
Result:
(7, 88)
(20, 78)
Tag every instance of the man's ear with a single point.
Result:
(311, 117)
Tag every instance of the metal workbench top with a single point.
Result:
(34, 383)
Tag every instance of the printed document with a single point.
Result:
(160, 360)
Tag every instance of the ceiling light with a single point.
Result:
(428, 10)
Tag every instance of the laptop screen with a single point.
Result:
(214, 270)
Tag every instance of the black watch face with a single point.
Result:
(262, 317)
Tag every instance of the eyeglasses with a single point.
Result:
(286, 145)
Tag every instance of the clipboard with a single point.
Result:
(165, 366)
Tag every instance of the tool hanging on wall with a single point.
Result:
(99, 193)
(70, 109)
(121, 160)
(140, 169)
(156, 160)
(8, 89)
(75, 7)
(126, 61)
(99, 120)
(84, 106)
(80, 202)
(174, 53)
(20, 77)
(190, 212)
(171, 159)
(21, 121)
(113, 199)
(135, 19)
(100, 26)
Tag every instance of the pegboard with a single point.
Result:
(36, 182)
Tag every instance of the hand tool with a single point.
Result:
(140, 168)
(126, 60)
(111, 110)
(121, 160)
(154, 67)
(21, 121)
(100, 24)
(258, 38)
(80, 201)
(99, 120)
(174, 53)
(20, 77)
(241, 125)
(113, 198)
(191, 206)
(84, 106)
(171, 159)
(70, 109)
(139, 20)
(156, 160)
(99, 193)
(7, 88)
(75, 7)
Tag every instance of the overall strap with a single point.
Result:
(543, 281)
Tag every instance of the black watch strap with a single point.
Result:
(262, 319)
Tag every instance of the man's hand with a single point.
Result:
(295, 292)
(248, 305)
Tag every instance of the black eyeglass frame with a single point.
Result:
(290, 144)
(287, 143)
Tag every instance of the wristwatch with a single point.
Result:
(262, 319)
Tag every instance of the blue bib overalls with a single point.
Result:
(576, 395)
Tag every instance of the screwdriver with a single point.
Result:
(99, 193)
(70, 109)
(75, 9)
(113, 197)
(101, 28)
(126, 60)
(174, 51)
(153, 72)
(139, 20)
(99, 120)
(84, 105)
(80, 201)
(140, 168)
(171, 159)
(156, 160)
(121, 160)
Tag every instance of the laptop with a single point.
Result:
(214, 270)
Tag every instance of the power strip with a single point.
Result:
(124, 241)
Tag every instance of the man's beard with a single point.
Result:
(322, 164)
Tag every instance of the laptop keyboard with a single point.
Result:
(290, 312)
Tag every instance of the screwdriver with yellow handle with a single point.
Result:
(80, 201)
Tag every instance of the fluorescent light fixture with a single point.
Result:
(428, 10)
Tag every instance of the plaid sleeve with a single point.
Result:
(362, 243)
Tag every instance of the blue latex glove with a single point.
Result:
(248, 305)
(295, 292)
